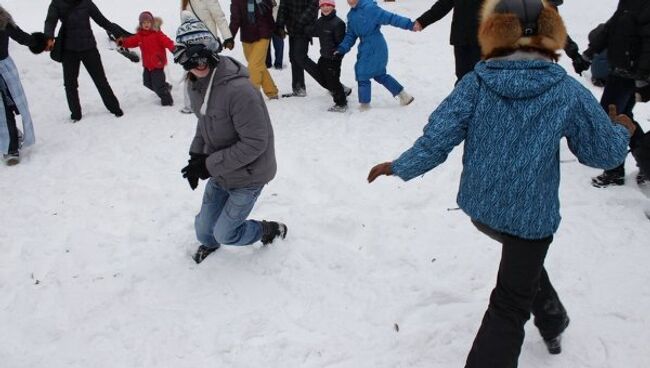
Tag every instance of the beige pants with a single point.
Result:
(255, 54)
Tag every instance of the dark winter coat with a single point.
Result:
(75, 18)
(512, 117)
(364, 22)
(252, 32)
(464, 23)
(9, 29)
(235, 130)
(153, 45)
(330, 30)
(626, 36)
(295, 15)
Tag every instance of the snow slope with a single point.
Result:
(97, 230)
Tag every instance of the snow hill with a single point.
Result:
(96, 233)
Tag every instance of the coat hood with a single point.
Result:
(227, 70)
(5, 18)
(363, 3)
(519, 79)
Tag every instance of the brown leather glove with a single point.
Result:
(381, 169)
(622, 119)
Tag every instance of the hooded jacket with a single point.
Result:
(330, 30)
(364, 22)
(153, 44)
(75, 17)
(511, 116)
(234, 127)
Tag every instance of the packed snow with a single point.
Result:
(97, 229)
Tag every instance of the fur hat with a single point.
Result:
(515, 24)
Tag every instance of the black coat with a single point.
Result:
(330, 31)
(75, 18)
(17, 34)
(464, 23)
(296, 15)
(626, 37)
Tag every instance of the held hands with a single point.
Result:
(622, 119)
(580, 64)
(280, 32)
(195, 169)
(50, 44)
(379, 170)
(417, 27)
(229, 43)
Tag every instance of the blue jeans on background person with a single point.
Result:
(222, 219)
(278, 46)
(365, 89)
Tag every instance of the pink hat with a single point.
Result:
(145, 15)
(331, 3)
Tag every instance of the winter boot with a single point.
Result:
(203, 252)
(12, 158)
(186, 110)
(642, 179)
(607, 178)
(405, 98)
(554, 345)
(338, 108)
(364, 106)
(272, 230)
(347, 90)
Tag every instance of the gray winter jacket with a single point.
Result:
(234, 128)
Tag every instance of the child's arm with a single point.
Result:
(387, 18)
(339, 32)
(348, 41)
(167, 42)
(130, 42)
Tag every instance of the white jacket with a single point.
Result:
(210, 13)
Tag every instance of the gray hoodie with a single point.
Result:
(234, 127)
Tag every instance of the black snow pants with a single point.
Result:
(155, 81)
(522, 287)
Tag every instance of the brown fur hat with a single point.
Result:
(499, 32)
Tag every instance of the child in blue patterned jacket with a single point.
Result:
(512, 112)
(364, 21)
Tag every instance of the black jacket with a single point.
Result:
(75, 18)
(465, 21)
(296, 15)
(330, 31)
(12, 30)
(626, 36)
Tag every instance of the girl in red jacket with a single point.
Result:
(152, 43)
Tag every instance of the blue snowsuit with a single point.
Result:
(364, 22)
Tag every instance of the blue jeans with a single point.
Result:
(222, 219)
(365, 90)
(278, 46)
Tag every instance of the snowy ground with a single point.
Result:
(97, 231)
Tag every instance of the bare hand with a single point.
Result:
(381, 169)
(622, 119)
(50, 44)
(417, 27)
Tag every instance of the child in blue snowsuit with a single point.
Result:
(364, 21)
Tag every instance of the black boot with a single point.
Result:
(554, 345)
(609, 177)
(203, 252)
(272, 230)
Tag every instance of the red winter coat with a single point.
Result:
(152, 45)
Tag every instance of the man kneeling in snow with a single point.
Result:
(233, 145)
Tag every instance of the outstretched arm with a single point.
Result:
(437, 12)
(387, 18)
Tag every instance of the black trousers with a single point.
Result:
(155, 81)
(93, 63)
(14, 143)
(300, 62)
(620, 92)
(328, 74)
(466, 57)
(522, 287)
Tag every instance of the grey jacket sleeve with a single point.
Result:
(252, 126)
(198, 144)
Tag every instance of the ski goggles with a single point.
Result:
(194, 56)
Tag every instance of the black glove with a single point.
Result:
(580, 64)
(280, 32)
(38, 43)
(229, 43)
(195, 169)
(642, 91)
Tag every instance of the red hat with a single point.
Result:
(145, 15)
(331, 3)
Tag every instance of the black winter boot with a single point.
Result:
(554, 345)
(272, 230)
(607, 178)
(203, 252)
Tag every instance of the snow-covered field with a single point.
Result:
(97, 231)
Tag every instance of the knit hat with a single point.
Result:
(331, 3)
(145, 16)
(514, 24)
(194, 32)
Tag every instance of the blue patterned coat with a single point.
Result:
(364, 22)
(511, 116)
